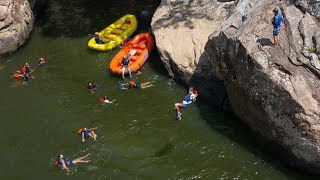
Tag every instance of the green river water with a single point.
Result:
(138, 137)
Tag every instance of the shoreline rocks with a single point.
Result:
(274, 90)
(16, 23)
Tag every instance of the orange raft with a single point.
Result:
(139, 49)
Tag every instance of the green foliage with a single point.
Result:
(313, 48)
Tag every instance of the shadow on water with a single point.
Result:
(230, 126)
(83, 17)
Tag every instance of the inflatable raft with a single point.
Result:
(114, 34)
(139, 48)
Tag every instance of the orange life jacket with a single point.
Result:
(101, 99)
(132, 83)
(17, 75)
(80, 130)
(24, 69)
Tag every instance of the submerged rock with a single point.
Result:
(16, 23)
(274, 90)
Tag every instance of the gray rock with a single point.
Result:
(16, 23)
(274, 90)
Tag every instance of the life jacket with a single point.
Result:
(128, 21)
(132, 83)
(17, 75)
(80, 130)
(58, 163)
(24, 69)
(101, 99)
(195, 92)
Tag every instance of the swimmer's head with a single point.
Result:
(60, 156)
(96, 33)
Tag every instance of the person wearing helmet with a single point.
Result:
(276, 22)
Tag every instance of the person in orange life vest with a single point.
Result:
(92, 86)
(41, 61)
(87, 132)
(125, 65)
(26, 68)
(105, 100)
(189, 98)
(66, 164)
(17, 74)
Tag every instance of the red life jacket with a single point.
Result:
(24, 69)
(80, 130)
(101, 99)
(17, 75)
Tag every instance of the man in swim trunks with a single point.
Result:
(92, 86)
(66, 164)
(276, 22)
(188, 99)
(88, 132)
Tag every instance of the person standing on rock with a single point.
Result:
(276, 22)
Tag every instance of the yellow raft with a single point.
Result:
(114, 34)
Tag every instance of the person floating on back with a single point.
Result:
(188, 99)
(87, 132)
(134, 84)
(105, 100)
(65, 164)
(125, 65)
(41, 61)
(97, 38)
(92, 86)
(276, 22)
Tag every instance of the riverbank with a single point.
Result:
(275, 91)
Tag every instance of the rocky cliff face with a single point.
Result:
(16, 23)
(274, 90)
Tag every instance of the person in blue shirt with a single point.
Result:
(188, 99)
(87, 132)
(97, 38)
(276, 22)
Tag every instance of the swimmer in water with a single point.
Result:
(41, 61)
(87, 132)
(92, 86)
(134, 84)
(105, 100)
(67, 164)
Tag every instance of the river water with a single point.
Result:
(138, 137)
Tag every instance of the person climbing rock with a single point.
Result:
(276, 22)
(188, 99)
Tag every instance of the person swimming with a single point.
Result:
(92, 86)
(105, 100)
(188, 99)
(66, 164)
(87, 132)
(134, 84)
(41, 61)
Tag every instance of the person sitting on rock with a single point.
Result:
(276, 22)
(189, 98)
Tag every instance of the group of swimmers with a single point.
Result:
(25, 73)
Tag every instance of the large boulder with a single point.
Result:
(16, 23)
(274, 90)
